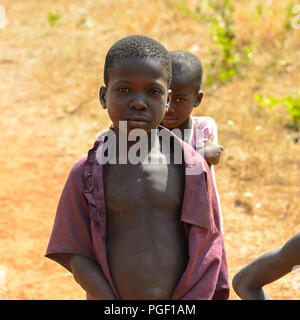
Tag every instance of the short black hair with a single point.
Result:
(184, 62)
(137, 46)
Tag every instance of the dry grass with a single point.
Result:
(50, 115)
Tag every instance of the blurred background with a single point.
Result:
(51, 65)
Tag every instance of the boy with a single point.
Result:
(132, 231)
(186, 95)
(249, 281)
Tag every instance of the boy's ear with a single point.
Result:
(199, 98)
(102, 97)
(169, 93)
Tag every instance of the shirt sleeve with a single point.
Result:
(71, 233)
(205, 277)
(222, 287)
(206, 274)
(209, 128)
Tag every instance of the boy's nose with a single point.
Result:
(138, 104)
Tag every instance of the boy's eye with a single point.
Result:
(155, 91)
(123, 90)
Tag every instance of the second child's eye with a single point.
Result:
(155, 91)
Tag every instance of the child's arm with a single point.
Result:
(212, 152)
(249, 281)
(71, 242)
(207, 139)
(88, 274)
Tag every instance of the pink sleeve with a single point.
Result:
(71, 233)
(209, 127)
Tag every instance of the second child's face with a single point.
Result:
(184, 98)
(137, 92)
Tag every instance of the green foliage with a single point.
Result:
(268, 101)
(226, 57)
(289, 16)
(259, 10)
(292, 105)
(223, 35)
(53, 18)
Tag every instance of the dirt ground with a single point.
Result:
(50, 115)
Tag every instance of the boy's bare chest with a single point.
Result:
(133, 187)
(146, 241)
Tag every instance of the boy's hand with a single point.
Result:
(212, 152)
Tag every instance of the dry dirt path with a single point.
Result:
(38, 148)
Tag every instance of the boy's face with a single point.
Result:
(137, 92)
(184, 98)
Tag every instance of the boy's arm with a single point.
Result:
(249, 281)
(71, 242)
(88, 274)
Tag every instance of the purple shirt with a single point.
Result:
(80, 226)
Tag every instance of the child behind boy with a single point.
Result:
(186, 95)
(140, 230)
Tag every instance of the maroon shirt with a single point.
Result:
(80, 226)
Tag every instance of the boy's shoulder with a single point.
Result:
(76, 175)
(80, 165)
(203, 122)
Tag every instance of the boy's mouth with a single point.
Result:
(169, 120)
(137, 121)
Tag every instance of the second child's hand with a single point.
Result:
(212, 152)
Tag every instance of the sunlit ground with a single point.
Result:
(50, 116)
